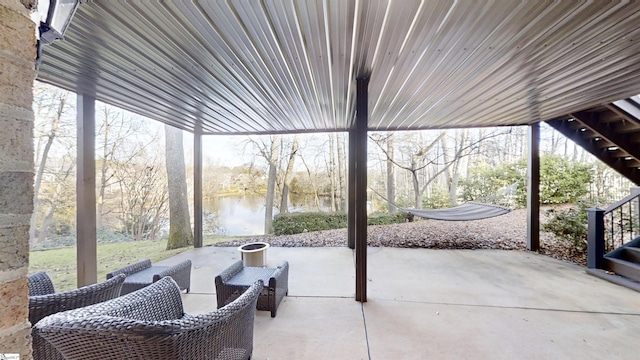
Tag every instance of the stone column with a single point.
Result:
(17, 72)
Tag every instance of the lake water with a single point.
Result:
(244, 215)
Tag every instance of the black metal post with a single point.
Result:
(360, 135)
(351, 184)
(595, 238)
(197, 187)
(533, 189)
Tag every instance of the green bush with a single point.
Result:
(105, 235)
(386, 219)
(570, 225)
(561, 181)
(438, 199)
(485, 180)
(296, 223)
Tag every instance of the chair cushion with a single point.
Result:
(151, 306)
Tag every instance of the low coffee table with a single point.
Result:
(142, 274)
(237, 278)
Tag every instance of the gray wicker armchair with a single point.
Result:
(43, 301)
(142, 274)
(150, 324)
(235, 279)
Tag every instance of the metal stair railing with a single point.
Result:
(611, 228)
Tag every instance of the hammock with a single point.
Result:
(465, 212)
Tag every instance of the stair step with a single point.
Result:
(631, 254)
(616, 279)
(622, 267)
(601, 128)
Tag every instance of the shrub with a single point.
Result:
(561, 180)
(105, 235)
(296, 223)
(386, 219)
(438, 199)
(485, 180)
(570, 225)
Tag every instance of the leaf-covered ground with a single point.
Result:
(506, 232)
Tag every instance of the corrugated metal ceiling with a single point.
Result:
(248, 66)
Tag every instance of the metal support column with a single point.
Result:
(351, 185)
(533, 188)
(197, 187)
(595, 238)
(86, 192)
(360, 137)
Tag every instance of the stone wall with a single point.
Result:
(17, 58)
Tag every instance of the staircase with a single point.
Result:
(610, 132)
(614, 231)
(622, 266)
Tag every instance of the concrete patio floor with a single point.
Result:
(437, 304)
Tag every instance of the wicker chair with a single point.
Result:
(150, 324)
(40, 284)
(142, 274)
(43, 301)
(235, 279)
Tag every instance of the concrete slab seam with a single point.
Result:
(366, 334)
(514, 307)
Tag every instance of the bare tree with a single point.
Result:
(332, 173)
(288, 176)
(113, 132)
(61, 187)
(314, 184)
(419, 154)
(272, 159)
(51, 105)
(385, 178)
(418, 161)
(391, 175)
(180, 234)
(342, 171)
(269, 148)
(143, 197)
(455, 158)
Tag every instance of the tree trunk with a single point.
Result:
(180, 234)
(157, 211)
(55, 123)
(417, 197)
(453, 172)
(341, 173)
(314, 186)
(332, 174)
(446, 153)
(271, 183)
(391, 176)
(44, 228)
(103, 168)
(288, 176)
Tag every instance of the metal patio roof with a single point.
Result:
(248, 66)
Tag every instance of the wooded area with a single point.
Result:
(419, 169)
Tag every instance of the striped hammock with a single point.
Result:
(465, 212)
